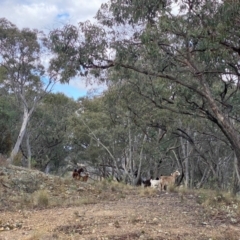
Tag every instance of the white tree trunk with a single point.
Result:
(26, 117)
(29, 152)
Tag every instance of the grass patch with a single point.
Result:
(36, 235)
(172, 188)
(213, 198)
(87, 200)
(148, 191)
(3, 161)
(229, 234)
(26, 201)
(41, 199)
(134, 219)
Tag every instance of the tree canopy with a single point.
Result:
(172, 71)
(182, 56)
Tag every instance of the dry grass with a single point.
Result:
(213, 198)
(3, 161)
(17, 161)
(227, 235)
(112, 186)
(41, 235)
(87, 200)
(148, 191)
(41, 199)
(172, 188)
(37, 235)
(217, 204)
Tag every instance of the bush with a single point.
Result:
(41, 199)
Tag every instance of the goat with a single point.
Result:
(80, 170)
(147, 182)
(154, 183)
(75, 174)
(84, 178)
(168, 180)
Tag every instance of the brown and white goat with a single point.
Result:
(84, 178)
(77, 173)
(165, 181)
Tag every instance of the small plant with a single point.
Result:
(41, 198)
(216, 198)
(87, 200)
(228, 234)
(109, 179)
(113, 189)
(36, 235)
(26, 201)
(148, 191)
(76, 213)
(122, 195)
(3, 161)
(134, 219)
(17, 160)
(171, 188)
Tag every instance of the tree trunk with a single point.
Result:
(186, 152)
(236, 176)
(21, 134)
(136, 180)
(226, 127)
(29, 152)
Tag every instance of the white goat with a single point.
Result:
(154, 183)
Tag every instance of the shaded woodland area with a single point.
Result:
(172, 102)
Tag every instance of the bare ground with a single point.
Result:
(160, 217)
(110, 212)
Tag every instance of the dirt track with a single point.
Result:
(165, 216)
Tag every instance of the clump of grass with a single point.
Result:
(17, 160)
(121, 187)
(112, 186)
(134, 219)
(228, 234)
(36, 235)
(87, 200)
(122, 195)
(3, 161)
(214, 198)
(67, 180)
(216, 202)
(148, 191)
(102, 185)
(56, 202)
(26, 201)
(172, 188)
(41, 198)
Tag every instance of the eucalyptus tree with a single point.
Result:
(146, 126)
(49, 133)
(92, 137)
(9, 117)
(8, 121)
(22, 54)
(190, 46)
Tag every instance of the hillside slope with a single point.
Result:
(38, 206)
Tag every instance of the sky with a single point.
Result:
(49, 14)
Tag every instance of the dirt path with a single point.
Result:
(166, 216)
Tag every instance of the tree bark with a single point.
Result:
(26, 116)
(29, 152)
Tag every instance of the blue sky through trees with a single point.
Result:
(49, 14)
